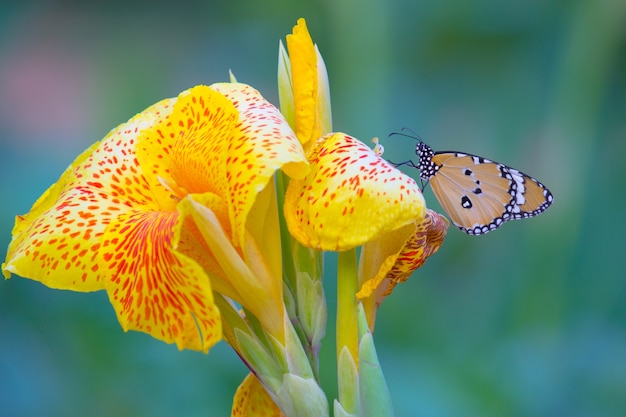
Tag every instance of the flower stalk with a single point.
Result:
(347, 329)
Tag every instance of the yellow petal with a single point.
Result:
(259, 292)
(103, 225)
(186, 151)
(305, 81)
(57, 242)
(252, 400)
(393, 257)
(351, 196)
(192, 244)
(153, 288)
(225, 139)
(266, 135)
(263, 229)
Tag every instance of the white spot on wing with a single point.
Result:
(520, 188)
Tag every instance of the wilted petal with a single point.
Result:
(252, 400)
(351, 196)
(392, 258)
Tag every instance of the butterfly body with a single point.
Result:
(478, 194)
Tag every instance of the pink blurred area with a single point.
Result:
(45, 85)
(44, 80)
(71, 72)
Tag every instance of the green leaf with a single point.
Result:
(374, 394)
(302, 397)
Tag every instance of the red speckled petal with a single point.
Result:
(393, 257)
(155, 289)
(225, 139)
(350, 197)
(263, 144)
(251, 400)
(57, 242)
(188, 149)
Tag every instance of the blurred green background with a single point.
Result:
(526, 321)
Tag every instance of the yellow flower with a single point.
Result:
(169, 207)
(351, 195)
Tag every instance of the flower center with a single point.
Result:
(177, 192)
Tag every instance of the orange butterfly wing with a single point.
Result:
(479, 195)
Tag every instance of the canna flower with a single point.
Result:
(205, 216)
(167, 209)
(351, 195)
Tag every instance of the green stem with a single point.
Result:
(347, 282)
(289, 269)
(302, 276)
(347, 335)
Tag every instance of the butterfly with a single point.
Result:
(478, 194)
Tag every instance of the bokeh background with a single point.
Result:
(527, 321)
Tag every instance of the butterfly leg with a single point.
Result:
(409, 163)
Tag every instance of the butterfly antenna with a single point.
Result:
(412, 135)
(413, 132)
